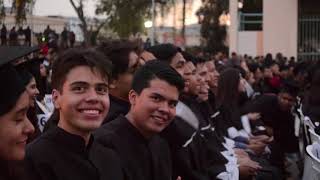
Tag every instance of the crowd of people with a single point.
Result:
(122, 110)
(22, 37)
(15, 36)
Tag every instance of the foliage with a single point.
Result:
(19, 7)
(90, 33)
(127, 17)
(212, 33)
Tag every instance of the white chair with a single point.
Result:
(307, 123)
(314, 137)
(312, 163)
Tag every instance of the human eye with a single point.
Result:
(173, 104)
(156, 98)
(102, 90)
(78, 89)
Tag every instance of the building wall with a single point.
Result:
(280, 27)
(233, 28)
(251, 43)
(39, 23)
(168, 26)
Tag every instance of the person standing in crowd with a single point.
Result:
(80, 81)
(27, 34)
(153, 98)
(64, 38)
(3, 35)
(13, 36)
(125, 62)
(46, 32)
(72, 38)
(15, 128)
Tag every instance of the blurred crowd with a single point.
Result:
(124, 110)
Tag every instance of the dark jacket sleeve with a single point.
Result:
(38, 171)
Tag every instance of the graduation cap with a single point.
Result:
(13, 53)
(11, 83)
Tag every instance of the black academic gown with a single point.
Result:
(59, 155)
(196, 153)
(282, 123)
(142, 159)
(117, 107)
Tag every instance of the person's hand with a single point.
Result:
(249, 168)
(241, 152)
(262, 138)
(258, 148)
(254, 116)
(179, 178)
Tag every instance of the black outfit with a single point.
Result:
(59, 155)
(117, 107)
(196, 153)
(3, 35)
(282, 123)
(141, 158)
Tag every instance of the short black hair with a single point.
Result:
(200, 60)
(118, 52)
(290, 87)
(164, 52)
(156, 69)
(189, 57)
(253, 67)
(79, 57)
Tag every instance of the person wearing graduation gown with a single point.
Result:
(31, 87)
(125, 62)
(69, 151)
(153, 98)
(15, 128)
(276, 115)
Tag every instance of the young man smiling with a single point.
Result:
(80, 95)
(153, 98)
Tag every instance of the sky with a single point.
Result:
(61, 8)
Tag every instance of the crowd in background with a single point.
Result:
(235, 117)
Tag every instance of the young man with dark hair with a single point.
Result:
(125, 62)
(80, 94)
(276, 114)
(170, 54)
(153, 98)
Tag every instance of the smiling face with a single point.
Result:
(83, 101)
(213, 74)
(192, 79)
(15, 129)
(178, 63)
(32, 91)
(154, 108)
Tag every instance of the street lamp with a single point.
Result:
(148, 24)
(240, 4)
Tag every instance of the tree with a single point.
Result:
(184, 3)
(89, 32)
(19, 7)
(126, 17)
(213, 34)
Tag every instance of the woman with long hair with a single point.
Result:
(15, 128)
(231, 123)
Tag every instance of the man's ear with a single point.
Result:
(56, 98)
(113, 84)
(132, 97)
